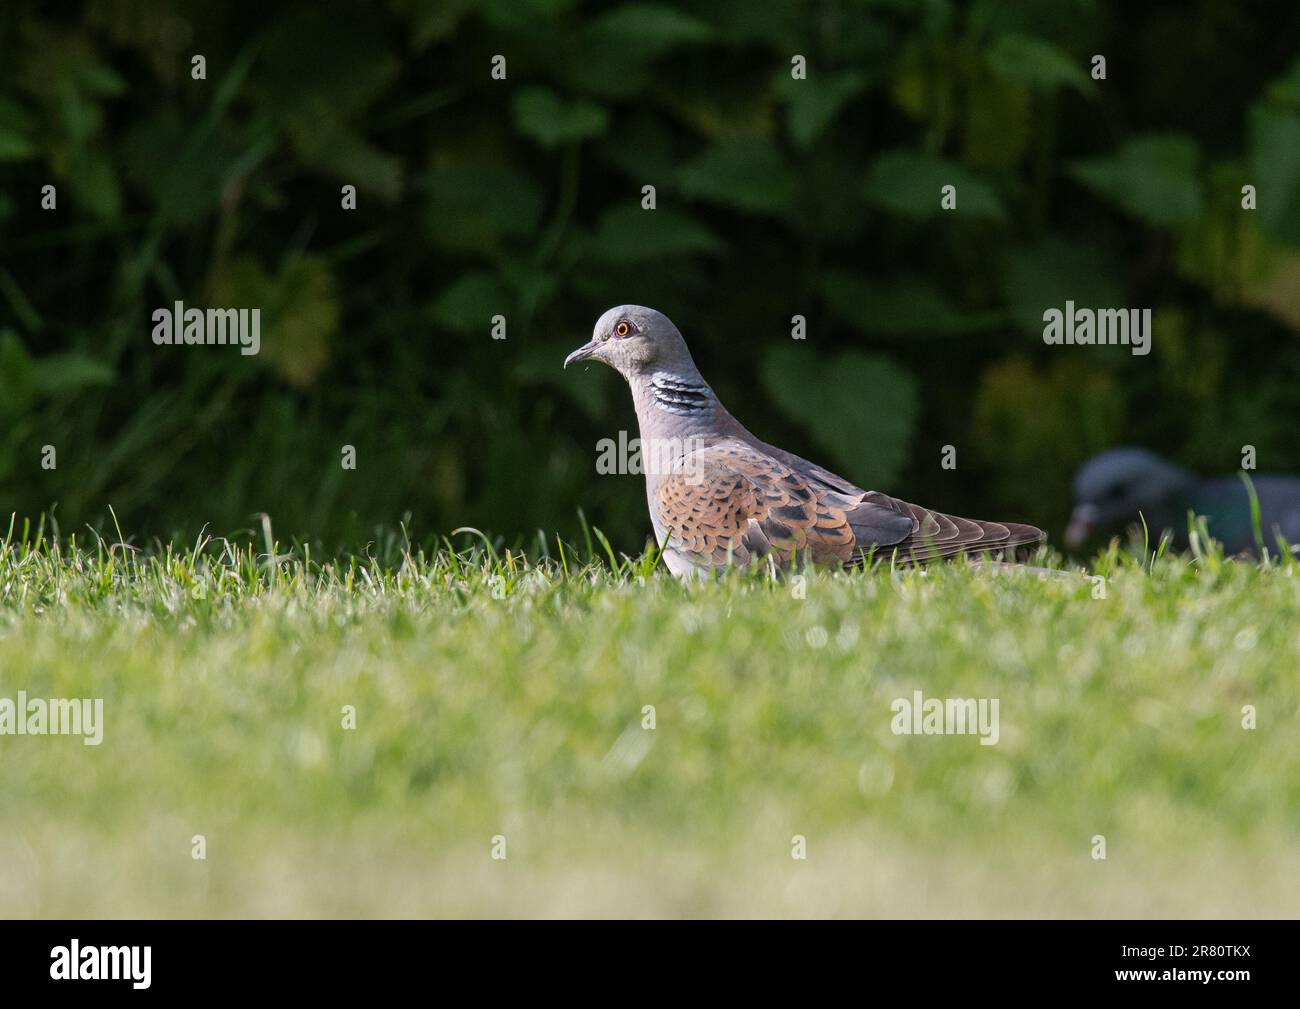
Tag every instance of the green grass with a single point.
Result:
(502, 696)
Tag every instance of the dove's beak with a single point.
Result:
(1083, 522)
(582, 353)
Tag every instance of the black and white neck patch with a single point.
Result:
(679, 395)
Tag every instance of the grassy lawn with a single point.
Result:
(500, 697)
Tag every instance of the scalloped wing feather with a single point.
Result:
(732, 502)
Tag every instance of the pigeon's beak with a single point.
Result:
(582, 353)
(1083, 521)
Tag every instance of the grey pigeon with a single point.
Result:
(718, 495)
(1111, 489)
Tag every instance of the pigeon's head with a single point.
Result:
(1112, 488)
(632, 339)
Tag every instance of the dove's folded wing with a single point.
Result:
(732, 498)
(735, 500)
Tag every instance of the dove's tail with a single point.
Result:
(937, 536)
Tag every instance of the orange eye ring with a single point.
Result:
(622, 329)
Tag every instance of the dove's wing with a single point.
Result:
(732, 498)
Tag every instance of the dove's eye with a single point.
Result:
(624, 329)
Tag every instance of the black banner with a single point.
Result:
(170, 958)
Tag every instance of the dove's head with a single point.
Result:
(1112, 488)
(633, 339)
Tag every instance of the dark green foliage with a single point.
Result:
(522, 198)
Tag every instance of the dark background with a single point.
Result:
(522, 198)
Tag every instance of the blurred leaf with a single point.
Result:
(468, 303)
(736, 25)
(612, 57)
(922, 82)
(17, 374)
(1187, 363)
(831, 204)
(542, 115)
(14, 147)
(300, 312)
(909, 183)
(15, 131)
(186, 187)
(62, 374)
(12, 294)
(433, 20)
(996, 124)
(734, 111)
(474, 206)
(1278, 291)
(323, 66)
(812, 104)
(1037, 64)
(61, 69)
(318, 93)
(1032, 428)
(672, 282)
(544, 365)
(1047, 274)
(99, 79)
(304, 320)
(827, 396)
(640, 146)
(350, 158)
(628, 234)
(1285, 91)
(514, 15)
(605, 71)
(751, 175)
(94, 183)
(1152, 178)
(79, 119)
(1275, 172)
(1224, 249)
(905, 306)
(532, 285)
(644, 30)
